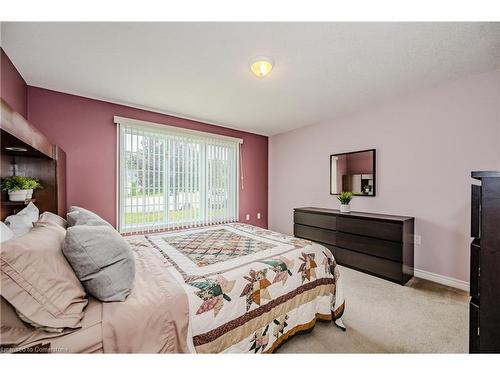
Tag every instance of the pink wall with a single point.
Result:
(360, 163)
(84, 128)
(427, 144)
(341, 171)
(13, 88)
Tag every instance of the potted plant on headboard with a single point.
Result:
(345, 200)
(31, 184)
(20, 188)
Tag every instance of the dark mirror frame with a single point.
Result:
(374, 171)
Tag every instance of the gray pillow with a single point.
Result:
(81, 216)
(102, 260)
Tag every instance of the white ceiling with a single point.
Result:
(201, 70)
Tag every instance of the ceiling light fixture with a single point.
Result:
(18, 149)
(261, 66)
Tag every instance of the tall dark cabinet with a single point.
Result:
(484, 313)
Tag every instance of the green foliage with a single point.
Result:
(13, 183)
(173, 216)
(133, 189)
(145, 160)
(16, 183)
(345, 197)
(32, 183)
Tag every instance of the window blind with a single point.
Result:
(172, 179)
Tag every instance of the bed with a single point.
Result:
(231, 288)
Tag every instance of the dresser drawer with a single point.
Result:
(375, 266)
(315, 234)
(372, 228)
(474, 269)
(315, 220)
(371, 246)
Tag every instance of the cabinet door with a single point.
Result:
(474, 328)
(474, 269)
(475, 216)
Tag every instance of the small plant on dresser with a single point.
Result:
(345, 200)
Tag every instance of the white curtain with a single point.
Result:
(170, 179)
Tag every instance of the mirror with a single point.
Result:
(354, 172)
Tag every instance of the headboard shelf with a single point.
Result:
(21, 133)
(22, 203)
(28, 152)
(12, 208)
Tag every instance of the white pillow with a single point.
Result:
(22, 222)
(6, 233)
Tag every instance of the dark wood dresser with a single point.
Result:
(381, 245)
(484, 313)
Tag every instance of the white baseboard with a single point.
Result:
(440, 279)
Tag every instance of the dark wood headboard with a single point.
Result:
(42, 159)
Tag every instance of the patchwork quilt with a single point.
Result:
(249, 289)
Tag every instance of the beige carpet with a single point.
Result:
(384, 317)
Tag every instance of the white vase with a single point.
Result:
(345, 208)
(29, 193)
(17, 196)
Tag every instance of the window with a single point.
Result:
(174, 178)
